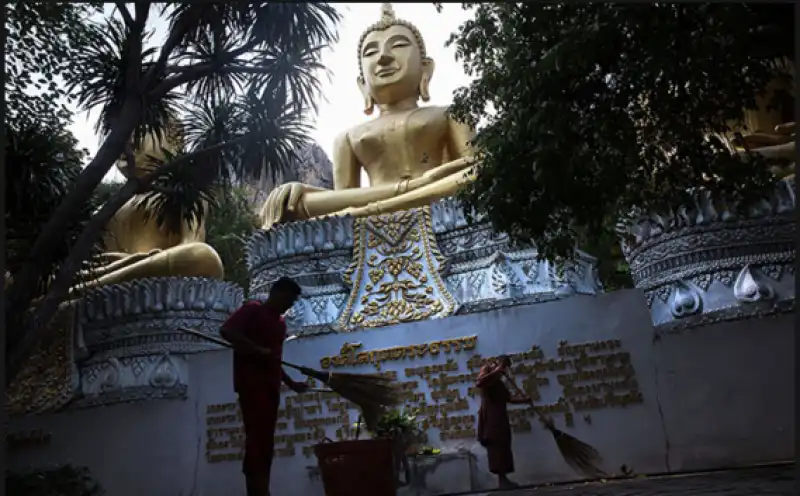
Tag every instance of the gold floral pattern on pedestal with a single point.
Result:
(47, 381)
(395, 274)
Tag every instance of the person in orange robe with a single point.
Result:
(494, 426)
(257, 332)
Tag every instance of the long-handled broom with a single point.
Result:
(582, 457)
(372, 393)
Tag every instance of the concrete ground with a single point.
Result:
(776, 480)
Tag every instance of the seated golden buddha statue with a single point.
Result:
(768, 131)
(138, 247)
(413, 155)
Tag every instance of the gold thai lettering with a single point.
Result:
(364, 357)
(348, 356)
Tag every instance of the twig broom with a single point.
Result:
(582, 457)
(372, 393)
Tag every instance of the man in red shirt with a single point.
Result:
(257, 331)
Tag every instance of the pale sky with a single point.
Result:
(341, 106)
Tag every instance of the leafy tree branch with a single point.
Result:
(592, 109)
(242, 123)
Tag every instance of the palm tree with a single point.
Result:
(236, 80)
(43, 165)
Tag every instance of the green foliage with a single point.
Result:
(42, 157)
(63, 481)
(261, 56)
(106, 59)
(234, 81)
(599, 107)
(42, 38)
(230, 222)
(43, 164)
(106, 190)
(428, 451)
(177, 199)
(612, 268)
(398, 424)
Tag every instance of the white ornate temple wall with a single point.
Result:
(708, 397)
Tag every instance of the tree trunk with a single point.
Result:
(39, 329)
(27, 335)
(21, 294)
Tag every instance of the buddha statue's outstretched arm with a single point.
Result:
(436, 187)
(459, 140)
(297, 201)
(439, 182)
(346, 169)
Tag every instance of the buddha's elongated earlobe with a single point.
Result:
(369, 102)
(427, 73)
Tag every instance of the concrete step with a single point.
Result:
(776, 480)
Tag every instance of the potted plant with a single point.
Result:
(65, 480)
(403, 430)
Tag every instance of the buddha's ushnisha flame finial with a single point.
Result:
(387, 12)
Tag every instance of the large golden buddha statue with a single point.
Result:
(413, 155)
(138, 247)
(768, 131)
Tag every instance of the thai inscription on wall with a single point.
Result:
(591, 376)
(21, 440)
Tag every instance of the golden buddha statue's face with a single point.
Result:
(391, 58)
(393, 63)
(151, 146)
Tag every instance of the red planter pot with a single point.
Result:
(357, 468)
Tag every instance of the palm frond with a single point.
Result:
(43, 166)
(207, 49)
(279, 131)
(294, 24)
(202, 20)
(206, 123)
(103, 81)
(180, 195)
(291, 76)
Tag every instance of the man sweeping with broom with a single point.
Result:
(257, 331)
(494, 427)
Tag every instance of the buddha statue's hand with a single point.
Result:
(447, 169)
(283, 203)
(357, 211)
(787, 128)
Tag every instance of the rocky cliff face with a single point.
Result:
(312, 167)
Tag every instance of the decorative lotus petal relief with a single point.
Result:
(726, 295)
(126, 343)
(704, 263)
(448, 215)
(128, 334)
(477, 265)
(165, 373)
(313, 236)
(685, 300)
(751, 286)
(639, 228)
(134, 378)
(158, 295)
(50, 379)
